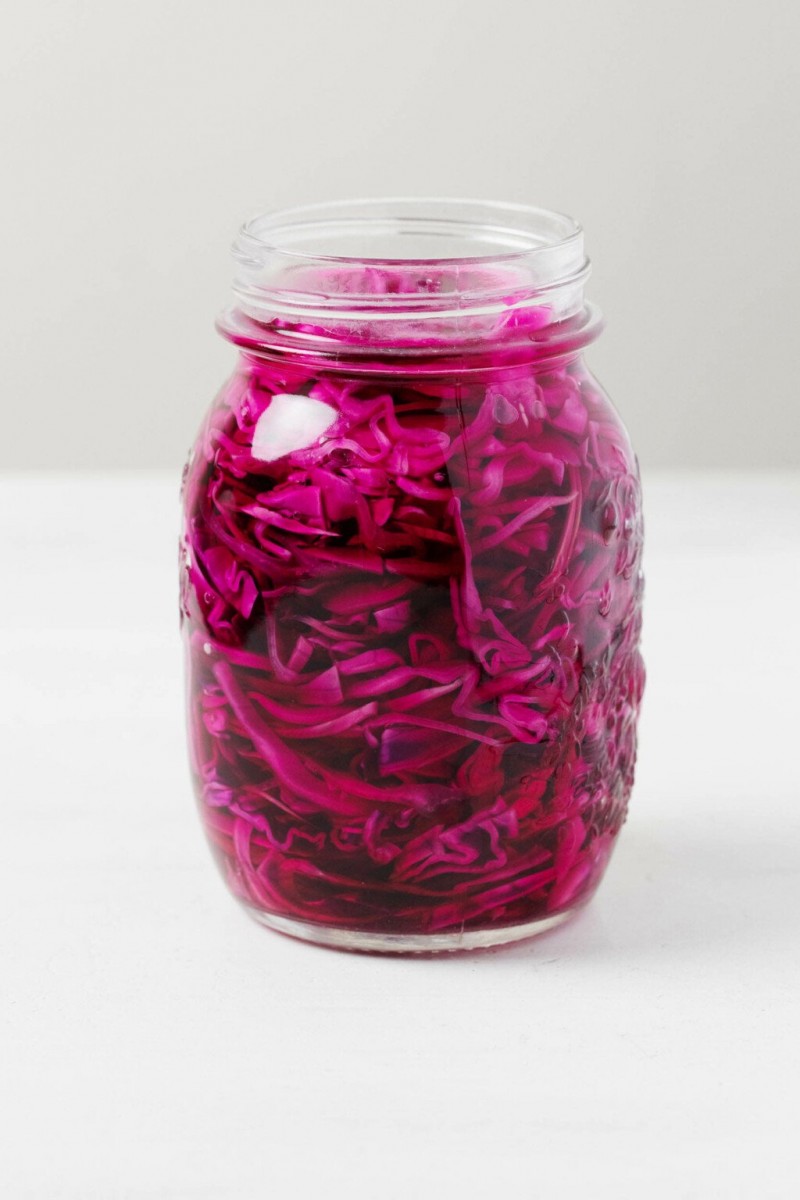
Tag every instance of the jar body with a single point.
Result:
(411, 602)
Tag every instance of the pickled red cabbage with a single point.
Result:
(411, 595)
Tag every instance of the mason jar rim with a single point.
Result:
(404, 274)
(490, 231)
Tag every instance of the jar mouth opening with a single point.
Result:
(404, 273)
(408, 230)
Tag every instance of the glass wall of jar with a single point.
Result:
(411, 585)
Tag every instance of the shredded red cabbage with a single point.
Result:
(411, 594)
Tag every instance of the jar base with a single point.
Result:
(408, 943)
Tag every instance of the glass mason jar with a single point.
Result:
(411, 585)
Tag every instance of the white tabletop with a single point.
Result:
(157, 1043)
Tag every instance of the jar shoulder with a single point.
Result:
(269, 410)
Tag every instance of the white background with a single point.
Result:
(136, 136)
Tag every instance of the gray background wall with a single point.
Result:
(136, 136)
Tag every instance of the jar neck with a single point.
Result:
(432, 280)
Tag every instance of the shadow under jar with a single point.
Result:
(410, 580)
